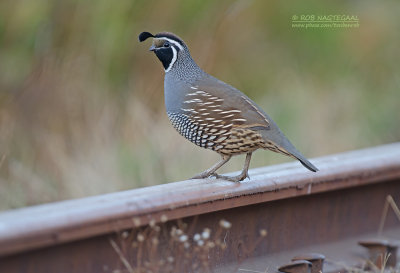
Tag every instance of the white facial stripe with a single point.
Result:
(173, 59)
(172, 42)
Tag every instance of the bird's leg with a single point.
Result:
(242, 175)
(211, 171)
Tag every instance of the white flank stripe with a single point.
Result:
(193, 100)
(231, 111)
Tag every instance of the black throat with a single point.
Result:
(165, 55)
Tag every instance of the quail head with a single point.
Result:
(213, 114)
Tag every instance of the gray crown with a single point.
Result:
(213, 114)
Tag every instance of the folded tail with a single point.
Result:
(284, 146)
(306, 163)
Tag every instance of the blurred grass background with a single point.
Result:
(81, 100)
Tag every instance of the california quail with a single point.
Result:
(213, 114)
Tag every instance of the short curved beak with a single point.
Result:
(152, 48)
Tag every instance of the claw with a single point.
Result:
(235, 179)
(212, 171)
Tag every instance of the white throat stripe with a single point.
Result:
(172, 42)
(173, 59)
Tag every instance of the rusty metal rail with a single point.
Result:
(298, 210)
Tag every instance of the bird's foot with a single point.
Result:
(203, 175)
(236, 178)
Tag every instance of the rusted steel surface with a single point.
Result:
(298, 266)
(377, 248)
(296, 208)
(316, 260)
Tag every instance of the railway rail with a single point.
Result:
(218, 226)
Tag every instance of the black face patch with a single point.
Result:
(165, 55)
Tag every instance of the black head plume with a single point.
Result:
(144, 35)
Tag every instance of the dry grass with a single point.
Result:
(166, 247)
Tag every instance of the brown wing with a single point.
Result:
(217, 102)
(223, 119)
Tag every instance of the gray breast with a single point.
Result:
(174, 93)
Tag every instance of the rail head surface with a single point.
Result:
(49, 224)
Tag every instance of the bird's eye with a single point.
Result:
(166, 44)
